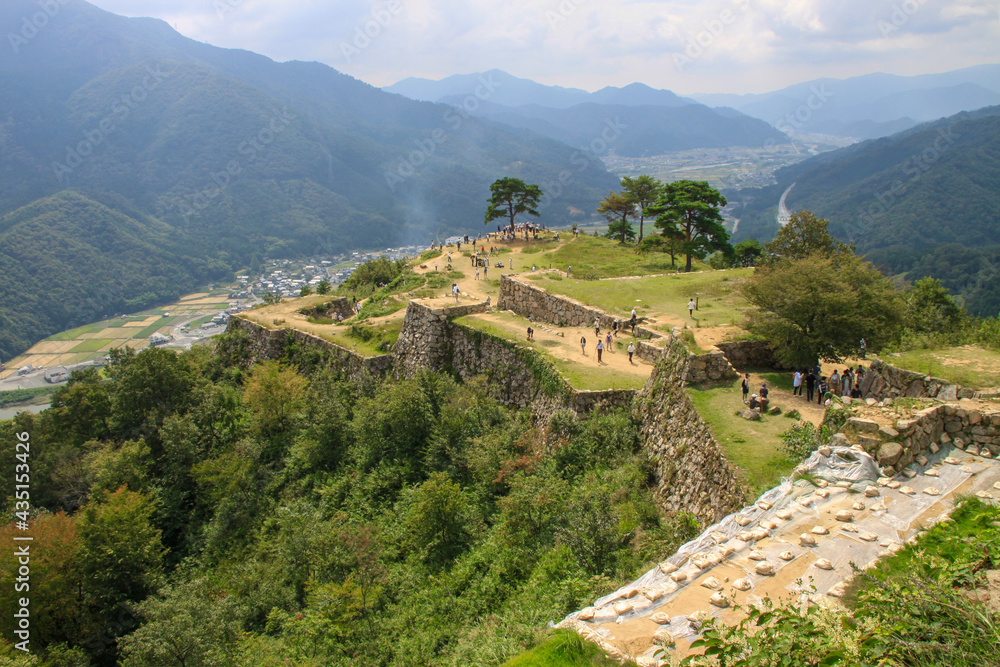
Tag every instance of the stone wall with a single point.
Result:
(924, 433)
(265, 344)
(520, 377)
(692, 473)
(746, 354)
(886, 381)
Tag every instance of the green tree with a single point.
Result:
(184, 625)
(121, 556)
(689, 210)
(658, 243)
(81, 410)
(438, 520)
(642, 191)
(748, 253)
(931, 309)
(149, 385)
(323, 287)
(804, 235)
(616, 209)
(305, 291)
(274, 397)
(820, 306)
(511, 197)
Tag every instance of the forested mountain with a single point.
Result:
(633, 121)
(227, 154)
(914, 202)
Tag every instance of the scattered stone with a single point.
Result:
(588, 614)
(820, 530)
(985, 495)
(889, 453)
(922, 460)
(623, 607)
(742, 584)
(822, 483)
(907, 490)
(823, 493)
(663, 637)
(909, 473)
(850, 529)
(868, 537)
(758, 534)
(870, 402)
(863, 425)
(934, 449)
(888, 433)
(932, 473)
(823, 564)
(879, 508)
(719, 600)
(660, 618)
(726, 551)
(969, 470)
(807, 540)
(996, 485)
(844, 485)
(764, 569)
(654, 594)
(719, 537)
(871, 492)
(825, 451)
(712, 584)
(756, 555)
(951, 460)
(838, 590)
(751, 415)
(768, 525)
(698, 616)
(895, 484)
(932, 491)
(806, 502)
(745, 536)
(786, 555)
(972, 449)
(884, 481)
(743, 520)
(785, 514)
(859, 506)
(764, 505)
(700, 562)
(668, 568)
(678, 577)
(845, 516)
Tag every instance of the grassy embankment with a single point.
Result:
(967, 366)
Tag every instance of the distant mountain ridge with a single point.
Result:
(868, 106)
(648, 121)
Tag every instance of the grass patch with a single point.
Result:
(150, 330)
(753, 446)
(605, 258)
(660, 296)
(74, 334)
(25, 396)
(582, 373)
(94, 345)
(380, 306)
(563, 648)
(968, 366)
(365, 340)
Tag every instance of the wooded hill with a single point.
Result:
(221, 155)
(913, 203)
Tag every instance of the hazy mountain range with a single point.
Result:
(861, 107)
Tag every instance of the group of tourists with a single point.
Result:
(812, 380)
(758, 401)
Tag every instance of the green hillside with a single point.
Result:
(901, 198)
(240, 156)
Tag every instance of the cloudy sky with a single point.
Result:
(689, 46)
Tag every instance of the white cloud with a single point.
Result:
(745, 45)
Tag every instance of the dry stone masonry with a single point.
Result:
(692, 473)
(886, 381)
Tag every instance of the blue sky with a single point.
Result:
(689, 46)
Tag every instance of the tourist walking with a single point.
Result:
(607, 343)
(631, 351)
(583, 345)
(820, 390)
(614, 328)
(810, 386)
(597, 327)
(691, 308)
(797, 383)
(864, 348)
(745, 386)
(600, 348)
